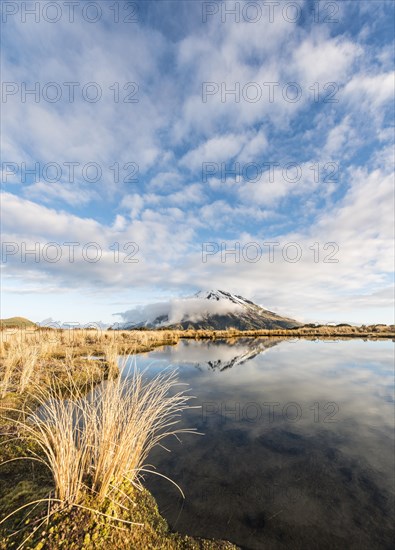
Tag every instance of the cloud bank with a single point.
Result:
(151, 201)
(179, 310)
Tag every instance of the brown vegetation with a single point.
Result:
(84, 433)
(36, 355)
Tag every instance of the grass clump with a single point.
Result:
(93, 444)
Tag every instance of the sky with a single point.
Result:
(153, 149)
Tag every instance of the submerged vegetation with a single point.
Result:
(75, 436)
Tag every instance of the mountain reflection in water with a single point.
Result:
(298, 444)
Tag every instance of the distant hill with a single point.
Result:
(209, 310)
(16, 322)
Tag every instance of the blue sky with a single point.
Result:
(312, 170)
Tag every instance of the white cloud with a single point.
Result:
(341, 137)
(217, 149)
(321, 59)
(179, 310)
(69, 193)
(370, 92)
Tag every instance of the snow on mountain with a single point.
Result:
(210, 309)
(221, 356)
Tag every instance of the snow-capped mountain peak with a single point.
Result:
(207, 309)
(217, 295)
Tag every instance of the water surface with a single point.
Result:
(298, 447)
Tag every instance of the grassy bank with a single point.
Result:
(74, 449)
(31, 355)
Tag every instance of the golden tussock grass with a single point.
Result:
(93, 443)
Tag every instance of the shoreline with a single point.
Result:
(30, 362)
(35, 358)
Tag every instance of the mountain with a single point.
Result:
(210, 310)
(16, 322)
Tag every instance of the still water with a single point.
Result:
(298, 448)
